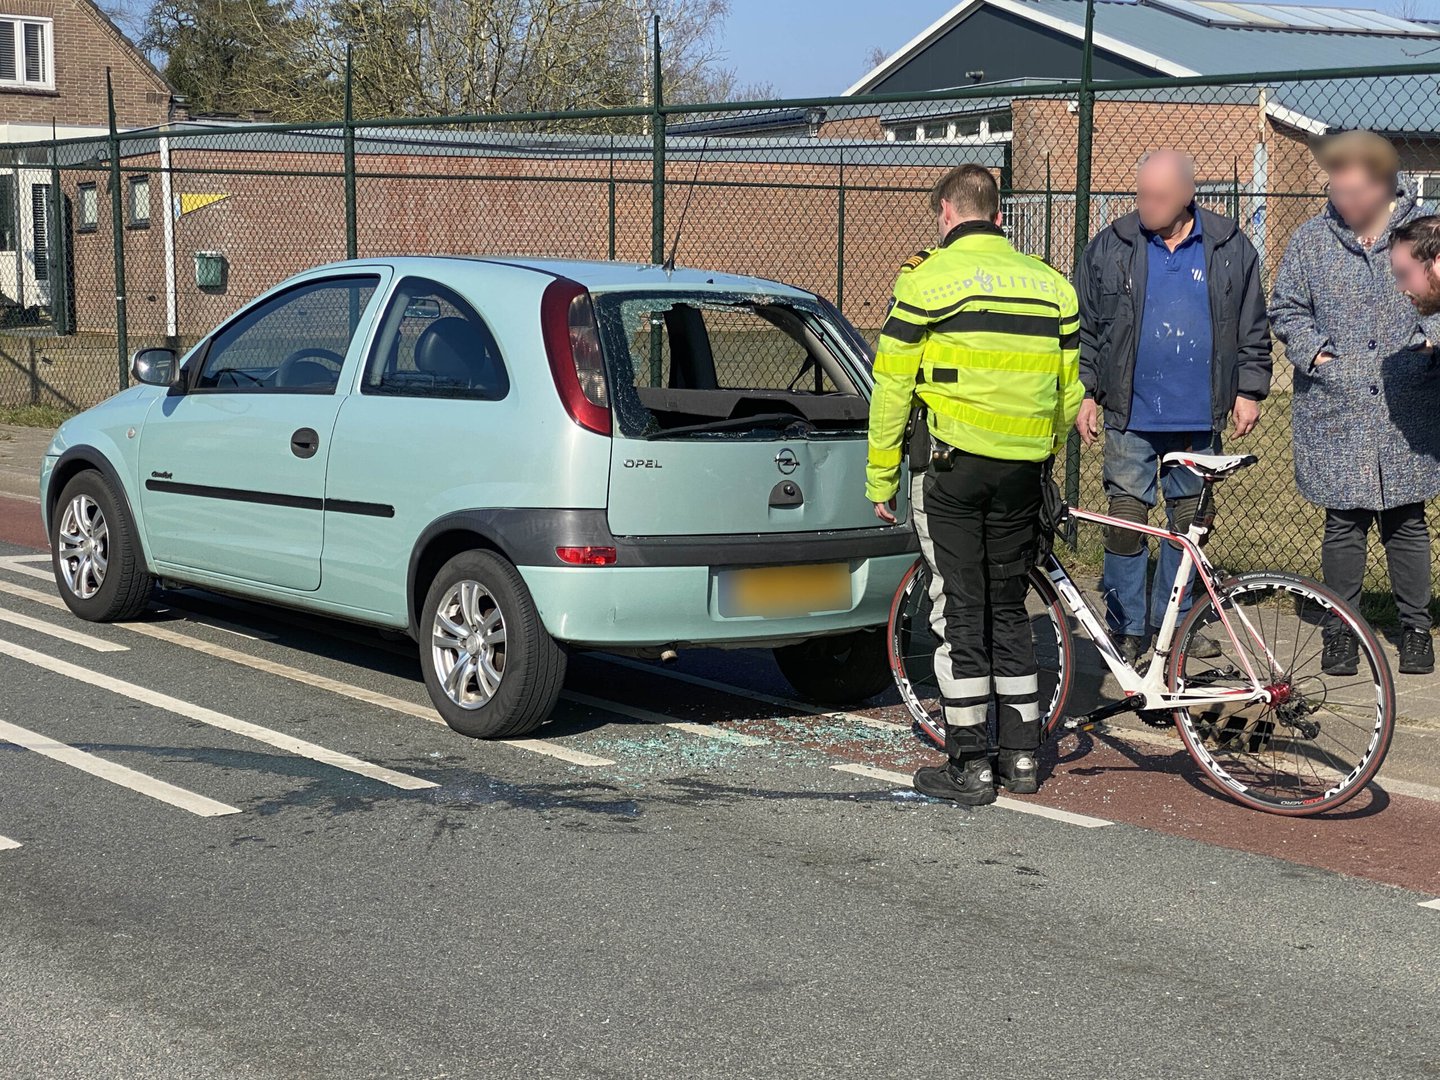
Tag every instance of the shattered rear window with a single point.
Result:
(712, 365)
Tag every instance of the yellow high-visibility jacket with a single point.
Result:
(989, 340)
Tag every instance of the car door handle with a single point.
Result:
(305, 442)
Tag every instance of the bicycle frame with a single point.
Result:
(1150, 688)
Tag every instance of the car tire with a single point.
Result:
(487, 686)
(95, 553)
(841, 669)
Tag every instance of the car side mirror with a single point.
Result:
(154, 367)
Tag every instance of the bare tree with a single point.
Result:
(438, 57)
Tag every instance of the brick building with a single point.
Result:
(53, 59)
(830, 197)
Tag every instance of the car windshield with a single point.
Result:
(708, 365)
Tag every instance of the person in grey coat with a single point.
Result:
(1366, 414)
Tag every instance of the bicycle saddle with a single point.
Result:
(1211, 466)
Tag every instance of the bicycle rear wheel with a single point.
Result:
(1322, 737)
(913, 644)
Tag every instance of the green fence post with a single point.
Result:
(657, 180)
(1086, 118)
(117, 230)
(611, 246)
(657, 195)
(352, 246)
(57, 235)
(1049, 209)
(840, 238)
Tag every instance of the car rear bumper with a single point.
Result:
(617, 606)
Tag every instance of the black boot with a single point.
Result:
(1417, 652)
(1342, 653)
(1132, 647)
(1204, 647)
(971, 782)
(1019, 772)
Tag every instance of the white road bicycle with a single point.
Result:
(1263, 720)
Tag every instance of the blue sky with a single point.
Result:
(817, 47)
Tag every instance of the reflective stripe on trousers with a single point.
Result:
(966, 694)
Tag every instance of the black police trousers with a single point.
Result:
(979, 527)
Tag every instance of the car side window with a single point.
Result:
(434, 344)
(294, 343)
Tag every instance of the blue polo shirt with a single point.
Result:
(1175, 343)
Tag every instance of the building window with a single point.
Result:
(1425, 187)
(139, 202)
(983, 128)
(26, 49)
(89, 199)
(7, 212)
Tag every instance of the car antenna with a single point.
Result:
(669, 264)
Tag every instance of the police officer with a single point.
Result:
(988, 340)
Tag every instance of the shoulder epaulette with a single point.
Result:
(916, 259)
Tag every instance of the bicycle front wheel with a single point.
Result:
(913, 644)
(1322, 736)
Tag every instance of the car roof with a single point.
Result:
(597, 276)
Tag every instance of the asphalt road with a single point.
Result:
(719, 900)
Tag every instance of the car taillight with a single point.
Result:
(587, 556)
(572, 344)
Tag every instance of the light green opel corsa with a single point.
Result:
(506, 459)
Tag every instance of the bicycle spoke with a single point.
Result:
(1320, 730)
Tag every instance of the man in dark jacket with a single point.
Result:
(1173, 340)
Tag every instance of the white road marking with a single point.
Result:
(555, 750)
(48, 599)
(246, 632)
(116, 774)
(1432, 904)
(6, 844)
(754, 695)
(40, 557)
(319, 682)
(285, 671)
(16, 564)
(645, 716)
(1007, 803)
(244, 728)
(64, 633)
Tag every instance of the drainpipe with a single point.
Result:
(167, 201)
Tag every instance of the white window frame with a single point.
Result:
(1425, 186)
(985, 137)
(92, 223)
(131, 220)
(47, 48)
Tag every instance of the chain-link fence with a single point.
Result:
(154, 236)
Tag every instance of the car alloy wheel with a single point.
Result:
(84, 546)
(468, 644)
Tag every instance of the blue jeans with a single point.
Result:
(1132, 464)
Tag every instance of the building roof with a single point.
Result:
(1211, 37)
(1201, 37)
(422, 142)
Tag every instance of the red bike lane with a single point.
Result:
(20, 523)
